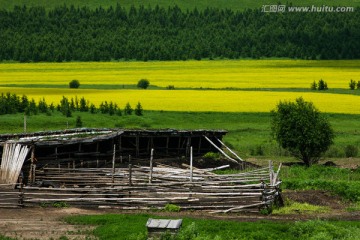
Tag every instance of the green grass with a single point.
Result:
(122, 226)
(343, 182)
(183, 4)
(249, 133)
(300, 208)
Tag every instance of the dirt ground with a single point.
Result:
(46, 223)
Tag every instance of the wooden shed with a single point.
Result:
(96, 147)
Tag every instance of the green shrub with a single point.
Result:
(143, 83)
(78, 122)
(60, 205)
(74, 83)
(322, 85)
(335, 152)
(257, 151)
(212, 156)
(351, 151)
(313, 86)
(352, 84)
(172, 208)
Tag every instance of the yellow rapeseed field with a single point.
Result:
(259, 75)
(187, 74)
(198, 100)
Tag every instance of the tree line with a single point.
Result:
(144, 33)
(12, 104)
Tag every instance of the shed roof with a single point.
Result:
(164, 223)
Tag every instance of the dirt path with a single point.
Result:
(43, 223)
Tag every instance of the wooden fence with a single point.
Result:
(137, 187)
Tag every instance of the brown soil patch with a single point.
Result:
(43, 223)
(315, 197)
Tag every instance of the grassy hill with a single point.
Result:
(184, 4)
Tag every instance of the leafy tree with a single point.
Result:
(128, 109)
(358, 85)
(74, 83)
(352, 84)
(138, 109)
(143, 83)
(301, 129)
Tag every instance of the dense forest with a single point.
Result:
(143, 33)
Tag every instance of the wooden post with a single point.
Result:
(130, 170)
(113, 164)
(73, 164)
(191, 164)
(32, 166)
(151, 165)
(21, 191)
(271, 171)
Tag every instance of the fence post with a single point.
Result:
(191, 164)
(21, 191)
(151, 165)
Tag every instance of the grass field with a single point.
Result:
(247, 131)
(133, 227)
(184, 4)
(221, 86)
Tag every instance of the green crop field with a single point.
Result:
(187, 4)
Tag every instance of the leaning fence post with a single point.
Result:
(151, 165)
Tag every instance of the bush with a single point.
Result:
(143, 83)
(313, 86)
(128, 109)
(257, 151)
(74, 83)
(138, 109)
(352, 84)
(351, 151)
(335, 152)
(170, 87)
(172, 208)
(212, 155)
(78, 123)
(358, 85)
(322, 85)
